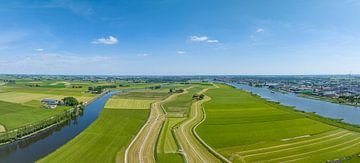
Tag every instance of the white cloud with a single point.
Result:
(181, 52)
(108, 41)
(203, 39)
(39, 49)
(259, 30)
(143, 55)
(198, 38)
(212, 41)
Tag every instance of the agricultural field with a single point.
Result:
(179, 107)
(107, 138)
(14, 115)
(20, 102)
(246, 128)
(103, 140)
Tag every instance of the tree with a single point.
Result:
(70, 101)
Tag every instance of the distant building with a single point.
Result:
(51, 104)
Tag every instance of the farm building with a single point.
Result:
(51, 104)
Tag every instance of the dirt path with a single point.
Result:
(193, 150)
(142, 148)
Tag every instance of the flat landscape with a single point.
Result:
(246, 128)
(108, 137)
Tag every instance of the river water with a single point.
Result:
(40, 145)
(349, 114)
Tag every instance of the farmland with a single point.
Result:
(107, 138)
(20, 100)
(246, 128)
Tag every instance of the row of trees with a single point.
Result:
(173, 90)
(100, 89)
(198, 96)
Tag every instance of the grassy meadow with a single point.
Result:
(246, 128)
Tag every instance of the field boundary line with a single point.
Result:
(211, 150)
(301, 146)
(290, 144)
(135, 138)
(310, 152)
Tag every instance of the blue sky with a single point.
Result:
(180, 37)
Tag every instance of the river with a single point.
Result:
(40, 145)
(349, 114)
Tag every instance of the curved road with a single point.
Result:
(142, 148)
(193, 150)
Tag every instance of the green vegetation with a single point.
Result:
(246, 128)
(167, 148)
(70, 101)
(16, 115)
(102, 141)
(180, 106)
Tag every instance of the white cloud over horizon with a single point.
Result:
(111, 40)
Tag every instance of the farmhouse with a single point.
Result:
(49, 103)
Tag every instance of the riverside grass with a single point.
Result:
(246, 128)
(14, 115)
(103, 139)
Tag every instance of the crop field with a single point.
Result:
(181, 104)
(16, 115)
(19, 97)
(118, 103)
(104, 139)
(135, 100)
(246, 128)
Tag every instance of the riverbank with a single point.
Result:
(327, 99)
(33, 129)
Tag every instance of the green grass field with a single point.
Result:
(128, 104)
(135, 100)
(16, 115)
(102, 141)
(167, 149)
(246, 128)
(179, 107)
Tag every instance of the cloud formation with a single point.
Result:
(203, 39)
(181, 52)
(143, 55)
(111, 40)
(39, 49)
(259, 30)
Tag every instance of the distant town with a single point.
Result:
(343, 89)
